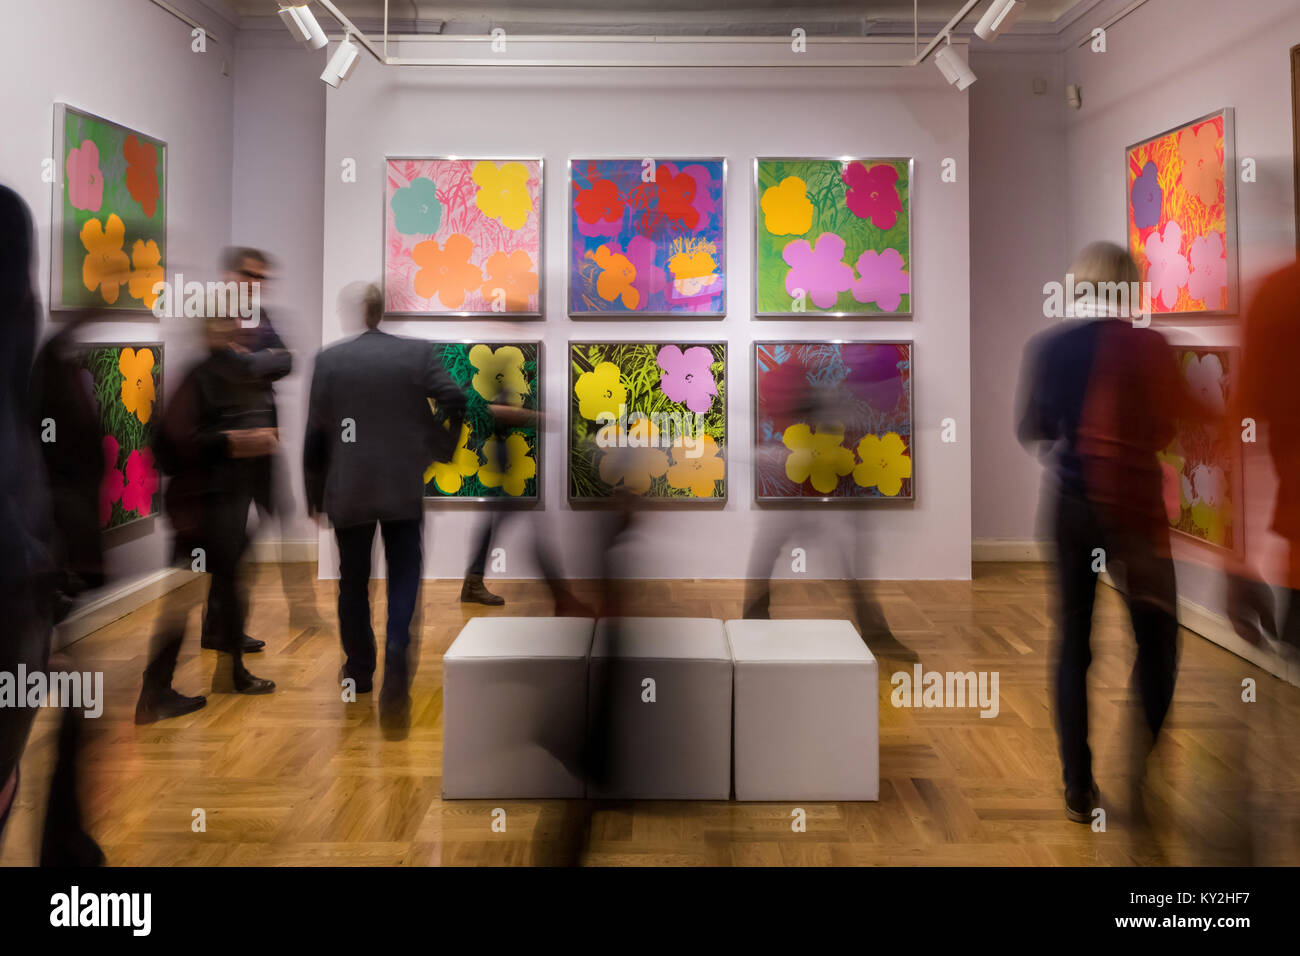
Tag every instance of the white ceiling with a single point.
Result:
(664, 16)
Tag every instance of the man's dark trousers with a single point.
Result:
(403, 552)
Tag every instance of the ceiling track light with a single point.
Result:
(303, 25)
(954, 69)
(998, 17)
(341, 63)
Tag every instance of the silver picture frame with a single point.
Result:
(529, 315)
(866, 314)
(768, 501)
(615, 315)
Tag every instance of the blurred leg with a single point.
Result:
(1076, 585)
(403, 552)
(355, 632)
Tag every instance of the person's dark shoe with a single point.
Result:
(246, 683)
(251, 645)
(364, 684)
(1079, 806)
(77, 849)
(154, 706)
(474, 591)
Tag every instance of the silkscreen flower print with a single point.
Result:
(1179, 190)
(833, 236)
(648, 419)
(126, 385)
(110, 217)
(463, 236)
(834, 420)
(492, 459)
(647, 236)
(1201, 469)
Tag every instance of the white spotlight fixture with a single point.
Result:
(302, 24)
(341, 63)
(953, 67)
(998, 17)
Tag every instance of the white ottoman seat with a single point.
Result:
(806, 714)
(677, 747)
(514, 708)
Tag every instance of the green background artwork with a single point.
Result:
(131, 488)
(494, 367)
(671, 474)
(827, 192)
(101, 183)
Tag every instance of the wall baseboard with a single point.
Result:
(1217, 629)
(1009, 549)
(118, 603)
(275, 551)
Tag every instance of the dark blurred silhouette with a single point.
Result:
(60, 396)
(508, 412)
(213, 442)
(1102, 396)
(267, 361)
(370, 435)
(822, 409)
(26, 565)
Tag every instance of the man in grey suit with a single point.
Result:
(371, 433)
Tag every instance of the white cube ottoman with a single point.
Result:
(806, 720)
(677, 747)
(514, 701)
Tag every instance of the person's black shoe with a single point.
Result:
(395, 715)
(246, 683)
(154, 706)
(251, 644)
(474, 591)
(1079, 806)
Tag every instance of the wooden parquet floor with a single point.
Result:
(301, 778)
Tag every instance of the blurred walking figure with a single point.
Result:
(26, 569)
(508, 412)
(1102, 396)
(370, 436)
(60, 396)
(823, 410)
(267, 361)
(213, 443)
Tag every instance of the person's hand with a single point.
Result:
(251, 442)
(1250, 609)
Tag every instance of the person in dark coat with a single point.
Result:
(371, 432)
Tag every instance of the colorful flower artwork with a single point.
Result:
(1202, 473)
(833, 420)
(110, 217)
(648, 419)
(647, 236)
(491, 461)
(833, 236)
(1180, 217)
(125, 384)
(463, 237)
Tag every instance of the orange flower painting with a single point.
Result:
(1180, 227)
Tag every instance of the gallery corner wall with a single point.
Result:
(1153, 78)
(132, 63)
(739, 114)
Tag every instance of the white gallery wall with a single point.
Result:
(134, 64)
(738, 113)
